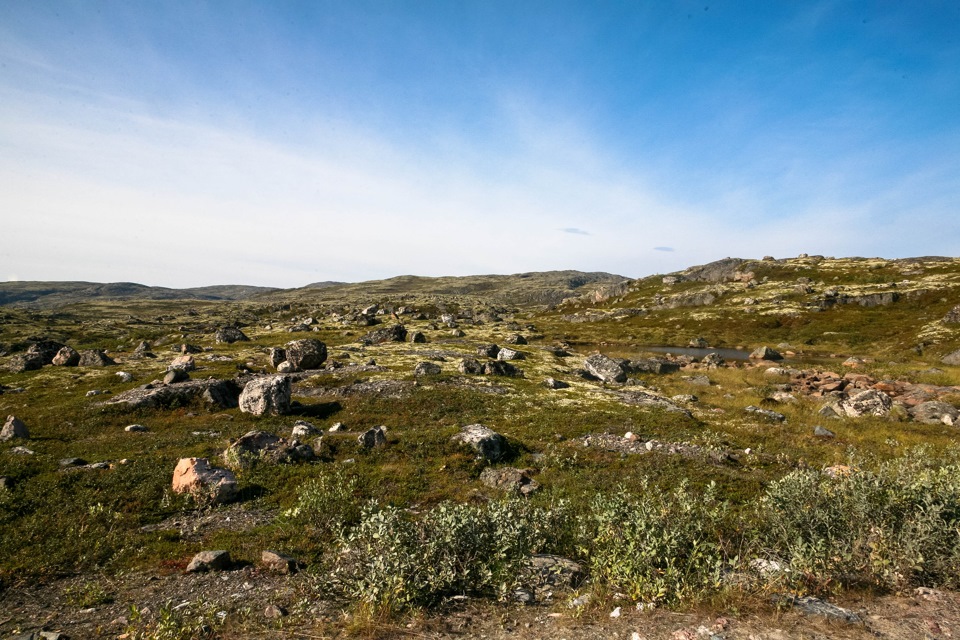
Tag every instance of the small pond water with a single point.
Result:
(697, 352)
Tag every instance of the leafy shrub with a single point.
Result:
(189, 621)
(327, 504)
(657, 547)
(391, 561)
(895, 527)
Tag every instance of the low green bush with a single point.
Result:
(658, 547)
(895, 527)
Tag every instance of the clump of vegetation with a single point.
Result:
(895, 527)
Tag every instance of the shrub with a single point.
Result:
(895, 527)
(327, 505)
(391, 561)
(657, 547)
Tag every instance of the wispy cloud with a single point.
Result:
(666, 249)
(575, 231)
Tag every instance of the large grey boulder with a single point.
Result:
(46, 349)
(221, 393)
(269, 395)
(654, 365)
(486, 442)
(259, 446)
(867, 403)
(952, 358)
(209, 484)
(25, 362)
(506, 353)
(229, 335)
(394, 333)
(935, 412)
(309, 353)
(470, 366)
(426, 369)
(605, 368)
(277, 355)
(501, 368)
(373, 438)
(95, 358)
(488, 350)
(13, 428)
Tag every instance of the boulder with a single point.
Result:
(515, 338)
(823, 432)
(142, 350)
(654, 365)
(470, 366)
(95, 358)
(605, 368)
(13, 428)
(303, 430)
(186, 349)
(765, 413)
(952, 358)
(426, 369)
(66, 357)
(277, 355)
(935, 412)
(510, 480)
(545, 570)
(953, 316)
(510, 354)
(276, 562)
(372, 438)
(175, 375)
(210, 561)
(488, 350)
(135, 428)
(393, 333)
(229, 335)
(25, 362)
(867, 403)
(209, 484)
(766, 353)
(487, 443)
(417, 337)
(222, 393)
(713, 360)
(501, 368)
(259, 446)
(182, 363)
(268, 395)
(309, 353)
(551, 383)
(46, 349)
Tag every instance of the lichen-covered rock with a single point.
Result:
(867, 403)
(510, 480)
(222, 393)
(501, 368)
(95, 358)
(507, 353)
(953, 316)
(935, 412)
(417, 337)
(470, 366)
(25, 362)
(269, 395)
(229, 335)
(488, 350)
(393, 333)
(13, 428)
(182, 363)
(765, 413)
(46, 349)
(277, 355)
(373, 438)
(206, 483)
(426, 369)
(306, 354)
(259, 446)
(486, 442)
(605, 368)
(952, 359)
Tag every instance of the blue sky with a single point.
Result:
(282, 143)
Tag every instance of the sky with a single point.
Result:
(279, 143)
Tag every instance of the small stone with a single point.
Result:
(303, 429)
(766, 413)
(426, 369)
(272, 612)
(615, 613)
(73, 462)
(509, 354)
(551, 383)
(765, 353)
(277, 562)
(135, 428)
(375, 437)
(124, 376)
(337, 427)
(210, 561)
(822, 432)
(21, 451)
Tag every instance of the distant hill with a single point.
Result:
(540, 288)
(54, 294)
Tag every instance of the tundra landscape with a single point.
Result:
(751, 448)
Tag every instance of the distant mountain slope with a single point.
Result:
(53, 294)
(544, 287)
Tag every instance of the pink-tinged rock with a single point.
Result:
(197, 477)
